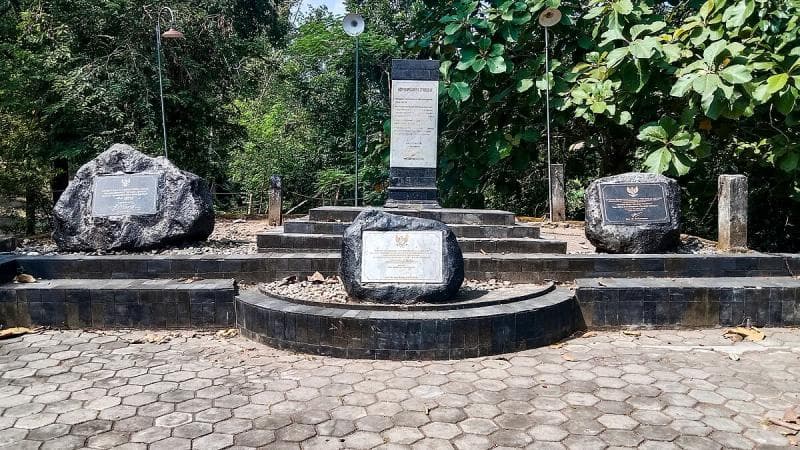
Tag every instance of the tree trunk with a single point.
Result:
(30, 209)
(60, 179)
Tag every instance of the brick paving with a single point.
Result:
(660, 390)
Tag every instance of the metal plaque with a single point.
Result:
(125, 195)
(634, 203)
(402, 257)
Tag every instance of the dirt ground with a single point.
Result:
(238, 236)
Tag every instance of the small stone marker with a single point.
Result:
(414, 136)
(126, 200)
(633, 213)
(274, 214)
(388, 258)
(558, 193)
(732, 213)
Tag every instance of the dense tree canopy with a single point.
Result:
(692, 89)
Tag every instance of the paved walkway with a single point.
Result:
(663, 389)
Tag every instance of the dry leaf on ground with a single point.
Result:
(631, 333)
(14, 332)
(317, 278)
(24, 278)
(229, 333)
(739, 333)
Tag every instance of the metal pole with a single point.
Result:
(547, 101)
(356, 195)
(160, 83)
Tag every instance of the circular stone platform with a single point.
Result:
(492, 323)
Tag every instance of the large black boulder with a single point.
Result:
(183, 213)
(642, 213)
(398, 292)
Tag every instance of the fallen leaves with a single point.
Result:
(24, 278)
(632, 333)
(150, 339)
(229, 333)
(9, 333)
(317, 278)
(744, 333)
(790, 420)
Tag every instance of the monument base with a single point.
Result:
(412, 188)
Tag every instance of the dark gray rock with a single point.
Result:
(403, 293)
(642, 213)
(183, 213)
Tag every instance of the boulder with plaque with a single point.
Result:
(633, 213)
(126, 200)
(388, 258)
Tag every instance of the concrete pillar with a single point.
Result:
(732, 217)
(558, 193)
(274, 214)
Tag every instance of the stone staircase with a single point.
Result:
(478, 231)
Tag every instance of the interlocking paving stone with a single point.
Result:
(660, 390)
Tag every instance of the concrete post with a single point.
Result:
(558, 193)
(274, 214)
(732, 217)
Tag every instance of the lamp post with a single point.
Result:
(171, 33)
(353, 25)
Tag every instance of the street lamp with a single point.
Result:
(171, 33)
(353, 25)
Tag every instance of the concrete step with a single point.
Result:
(448, 216)
(306, 226)
(119, 303)
(294, 242)
(690, 302)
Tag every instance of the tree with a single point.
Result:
(81, 75)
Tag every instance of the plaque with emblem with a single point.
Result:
(125, 195)
(402, 257)
(634, 203)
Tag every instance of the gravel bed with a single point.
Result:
(331, 290)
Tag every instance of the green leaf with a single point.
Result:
(789, 161)
(654, 27)
(644, 48)
(624, 117)
(736, 74)
(735, 16)
(496, 64)
(524, 84)
(616, 56)
(598, 107)
(713, 50)
(484, 43)
(776, 82)
(497, 49)
(459, 91)
(452, 28)
(658, 161)
(682, 85)
(706, 84)
(786, 101)
(622, 7)
(478, 65)
(653, 132)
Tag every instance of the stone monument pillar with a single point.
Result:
(274, 211)
(414, 139)
(558, 193)
(732, 217)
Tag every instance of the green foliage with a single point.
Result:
(692, 90)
